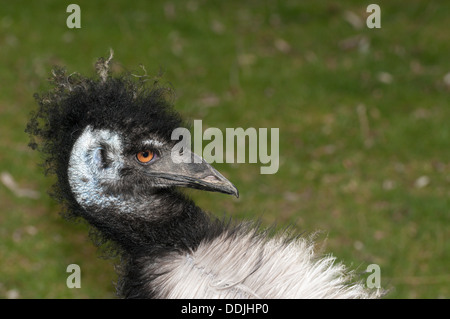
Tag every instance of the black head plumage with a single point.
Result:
(125, 103)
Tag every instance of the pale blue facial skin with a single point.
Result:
(90, 179)
(86, 174)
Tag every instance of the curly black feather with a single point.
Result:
(119, 104)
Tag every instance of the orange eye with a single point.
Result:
(144, 156)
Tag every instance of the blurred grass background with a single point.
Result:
(363, 116)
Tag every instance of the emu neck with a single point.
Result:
(180, 225)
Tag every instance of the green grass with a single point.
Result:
(296, 65)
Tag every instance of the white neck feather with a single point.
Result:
(248, 266)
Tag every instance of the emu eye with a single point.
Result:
(145, 157)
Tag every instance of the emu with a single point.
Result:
(108, 141)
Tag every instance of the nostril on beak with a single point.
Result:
(211, 178)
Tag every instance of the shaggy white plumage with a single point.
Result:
(252, 266)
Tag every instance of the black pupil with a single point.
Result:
(145, 154)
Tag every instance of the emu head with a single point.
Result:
(109, 142)
(107, 169)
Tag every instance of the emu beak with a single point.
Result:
(196, 173)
